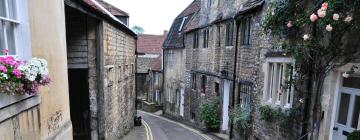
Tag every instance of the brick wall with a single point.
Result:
(119, 82)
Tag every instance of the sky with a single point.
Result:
(154, 16)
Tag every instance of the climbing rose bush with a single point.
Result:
(22, 77)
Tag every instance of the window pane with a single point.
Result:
(352, 82)
(12, 9)
(2, 8)
(2, 38)
(10, 37)
(355, 117)
(343, 108)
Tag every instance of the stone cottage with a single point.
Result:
(149, 69)
(224, 54)
(33, 31)
(101, 66)
(174, 62)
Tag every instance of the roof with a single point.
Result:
(112, 9)
(249, 6)
(156, 66)
(101, 11)
(175, 37)
(151, 44)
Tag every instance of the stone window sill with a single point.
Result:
(18, 107)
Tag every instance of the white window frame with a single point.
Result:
(273, 68)
(21, 29)
(182, 23)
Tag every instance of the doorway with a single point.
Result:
(225, 107)
(182, 102)
(79, 103)
(348, 108)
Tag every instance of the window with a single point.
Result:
(203, 83)
(196, 40)
(206, 38)
(245, 31)
(132, 68)
(217, 89)
(229, 34)
(279, 72)
(182, 23)
(8, 22)
(193, 84)
(171, 59)
(209, 3)
(244, 92)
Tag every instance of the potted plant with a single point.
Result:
(18, 77)
(354, 135)
(209, 114)
(241, 117)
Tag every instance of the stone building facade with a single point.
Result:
(101, 55)
(39, 33)
(149, 71)
(225, 55)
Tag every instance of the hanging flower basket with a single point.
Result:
(19, 77)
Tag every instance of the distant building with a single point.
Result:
(149, 69)
(101, 67)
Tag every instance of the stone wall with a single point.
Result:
(119, 81)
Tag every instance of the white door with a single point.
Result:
(225, 107)
(348, 109)
(182, 102)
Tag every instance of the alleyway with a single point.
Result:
(159, 128)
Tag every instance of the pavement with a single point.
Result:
(156, 127)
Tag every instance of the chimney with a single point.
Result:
(166, 33)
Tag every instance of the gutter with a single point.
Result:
(234, 77)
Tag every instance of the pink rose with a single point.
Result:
(6, 51)
(321, 13)
(289, 24)
(306, 37)
(313, 17)
(348, 19)
(329, 28)
(336, 17)
(325, 6)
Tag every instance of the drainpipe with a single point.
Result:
(234, 76)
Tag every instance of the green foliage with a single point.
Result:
(209, 114)
(268, 113)
(241, 117)
(138, 30)
(354, 135)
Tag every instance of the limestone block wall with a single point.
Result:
(119, 81)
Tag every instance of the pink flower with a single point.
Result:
(313, 17)
(348, 19)
(17, 73)
(6, 51)
(329, 28)
(3, 68)
(336, 17)
(321, 13)
(306, 37)
(289, 24)
(325, 6)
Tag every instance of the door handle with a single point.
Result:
(336, 128)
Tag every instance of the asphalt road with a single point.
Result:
(164, 129)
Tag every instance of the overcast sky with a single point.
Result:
(154, 16)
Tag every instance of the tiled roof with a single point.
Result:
(104, 13)
(157, 64)
(112, 9)
(175, 37)
(151, 44)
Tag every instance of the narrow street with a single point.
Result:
(159, 128)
